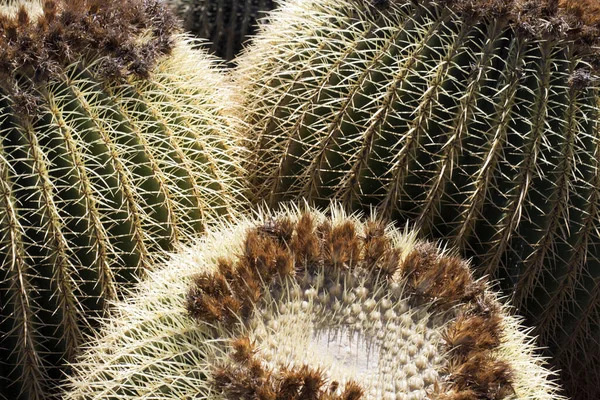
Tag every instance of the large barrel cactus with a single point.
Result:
(115, 142)
(476, 121)
(298, 305)
(226, 24)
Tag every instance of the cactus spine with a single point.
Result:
(112, 146)
(477, 122)
(227, 24)
(300, 305)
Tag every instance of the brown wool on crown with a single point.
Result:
(290, 385)
(573, 20)
(130, 35)
(586, 11)
(243, 350)
(442, 277)
(341, 246)
(281, 229)
(266, 256)
(226, 268)
(376, 243)
(305, 245)
(352, 391)
(379, 252)
(483, 374)
(473, 333)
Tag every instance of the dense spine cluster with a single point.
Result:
(477, 123)
(299, 305)
(111, 148)
(226, 24)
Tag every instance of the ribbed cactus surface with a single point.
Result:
(111, 148)
(300, 305)
(477, 123)
(226, 24)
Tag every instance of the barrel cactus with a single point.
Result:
(299, 305)
(115, 142)
(227, 24)
(476, 121)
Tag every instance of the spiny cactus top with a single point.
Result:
(477, 121)
(226, 24)
(302, 306)
(115, 142)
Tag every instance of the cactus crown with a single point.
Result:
(577, 21)
(308, 292)
(38, 39)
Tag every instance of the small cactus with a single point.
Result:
(477, 121)
(115, 142)
(297, 305)
(227, 24)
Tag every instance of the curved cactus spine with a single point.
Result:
(112, 148)
(262, 308)
(227, 24)
(477, 122)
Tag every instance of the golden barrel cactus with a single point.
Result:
(115, 142)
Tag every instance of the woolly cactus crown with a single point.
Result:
(115, 142)
(476, 120)
(298, 305)
(41, 37)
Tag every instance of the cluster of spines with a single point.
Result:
(449, 120)
(96, 178)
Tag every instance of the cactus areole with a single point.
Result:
(478, 121)
(300, 305)
(113, 146)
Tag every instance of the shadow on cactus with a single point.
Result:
(477, 121)
(115, 142)
(227, 25)
(298, 305)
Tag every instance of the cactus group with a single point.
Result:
(226, 24)
(114, 143)
(475, 121)
(298, 305)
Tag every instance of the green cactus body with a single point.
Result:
(477, 124)
(299, 305)
(227, 24)
(97, 173)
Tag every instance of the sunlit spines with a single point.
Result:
(475, 120)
